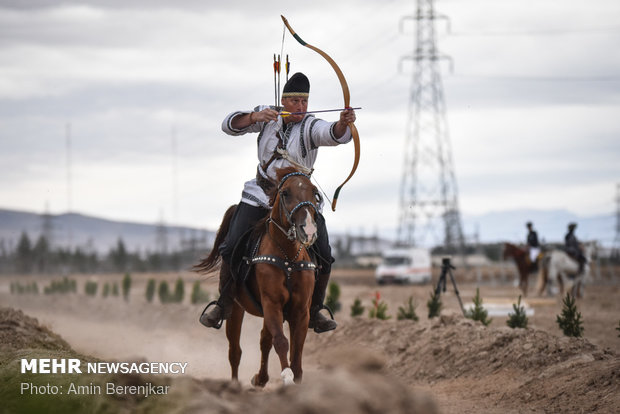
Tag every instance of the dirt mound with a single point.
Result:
(361, 386)
(19, 331)
(506, 367)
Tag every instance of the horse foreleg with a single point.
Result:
(260, 379)
(541, 282)
(273, 322)
(560, 278)
(233, 332)
(299, 329)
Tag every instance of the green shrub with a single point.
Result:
(106, 290)
(379, 309)
(408, 312)
(115, 289)
(164, 292)
(91, 288)
(179, 291)
(198, 294)
(18, 288)
(357, 309)
(434, 305)
(126, 286)
(150, 290)
(519, 318)
(570, 319)
(478, 312)
(333, 294)
(65, 285)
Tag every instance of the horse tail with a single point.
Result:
(213, 259)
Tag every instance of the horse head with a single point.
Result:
(589, 250)
(296, 203)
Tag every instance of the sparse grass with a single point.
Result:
(357, 309)
(378, 309)
(434, 305)
(569, 320)
(478, 312)
(333, 297)
(408, 312)
(199, 295)
(519, 318)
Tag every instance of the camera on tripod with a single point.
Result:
(446, 270)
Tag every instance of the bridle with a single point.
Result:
(291, 233)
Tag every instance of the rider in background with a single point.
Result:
(573, 247)
(283, 141)
(533, 245)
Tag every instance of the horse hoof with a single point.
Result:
(256, 383)
(287, 377)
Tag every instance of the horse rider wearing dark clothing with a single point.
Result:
(573, 247)
(532, 244)
(285, 139)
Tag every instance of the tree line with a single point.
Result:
(39, 257)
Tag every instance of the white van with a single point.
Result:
(405, 265)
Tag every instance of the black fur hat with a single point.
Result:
(297, 85)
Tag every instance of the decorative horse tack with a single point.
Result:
(284, 278)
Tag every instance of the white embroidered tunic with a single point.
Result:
(300, 139)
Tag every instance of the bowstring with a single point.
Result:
(321, 188)
(313, 176)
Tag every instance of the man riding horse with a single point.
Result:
(290, 138)
(533, 246)
(573, 247)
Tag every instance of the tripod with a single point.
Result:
(446, 269)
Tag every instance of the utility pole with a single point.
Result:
(429, 213)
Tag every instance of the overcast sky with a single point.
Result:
(533, 103)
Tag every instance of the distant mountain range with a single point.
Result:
(100, 235)
(96, 234)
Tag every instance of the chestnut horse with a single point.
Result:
(283, 280)
(524, 265)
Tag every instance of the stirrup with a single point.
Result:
(214, 302)
(318, 312)
(331, 314)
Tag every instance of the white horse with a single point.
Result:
(558, 265)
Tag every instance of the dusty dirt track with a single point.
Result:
(445, 365)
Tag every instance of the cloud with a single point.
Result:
(531, 104)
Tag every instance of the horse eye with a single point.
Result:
(285, 193)
(318, 197)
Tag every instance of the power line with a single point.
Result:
(540, 32)
(609, 78)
